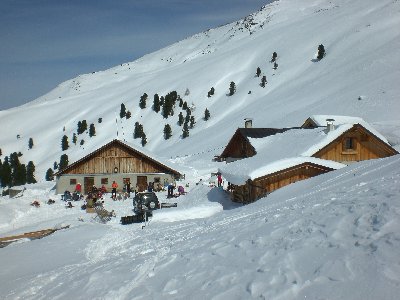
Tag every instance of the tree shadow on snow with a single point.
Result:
(219, 195)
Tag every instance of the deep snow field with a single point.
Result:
(335, 236)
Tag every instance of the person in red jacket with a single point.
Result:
(78, 188)
(114, 187)
(219, 179)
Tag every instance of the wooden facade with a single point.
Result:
(259, 187)
(114, 161)
(354, 145)
(116, 158)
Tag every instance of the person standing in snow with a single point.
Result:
(78, 188)
(128, 187)
(114, 187)
(171, 190)
(219, 179)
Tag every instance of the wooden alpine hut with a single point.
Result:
(295, 154)
(115, 161)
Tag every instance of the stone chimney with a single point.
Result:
(248, 123)
(330, 126)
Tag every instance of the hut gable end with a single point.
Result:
(116, 157)
(238, 147)
(356, 144)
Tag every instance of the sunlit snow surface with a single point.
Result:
(335, 236)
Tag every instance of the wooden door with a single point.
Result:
(142, 183)
(88, 184)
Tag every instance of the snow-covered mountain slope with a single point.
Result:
(334, 236)
(358, 76)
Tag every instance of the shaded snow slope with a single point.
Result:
(335, 236)
(362, 62)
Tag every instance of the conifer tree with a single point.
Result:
(122, 112)
(6, 173)
(138, 131)
(321, 52)
(19, 175)
(64, 143)
(55, 165)
(30, 143)
(275, 66)
(49, 175)
(18, 170)
(74, 138)
(232, 88)
(258, 72)
(30, 173)
(274, 57)
(167, 131)
(84, 126)
(63, 161)
(206, 114)
(128, 115)
(169, 103)
(184, 105)
(156, 103)
(263, 81)
(79, 130)
(92, 130)
(185, 130)
(192, 122)
(1, 152)
(142, 102)
(187, 117)
(100, 120)
(211, 92)
(144, 139)
(82, 142)
(181, 119)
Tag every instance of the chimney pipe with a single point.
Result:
(248, 123)
(330, 125)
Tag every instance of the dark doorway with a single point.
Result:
(88, 184)
(142, 183)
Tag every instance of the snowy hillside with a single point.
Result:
(358, 76)
(335, 236)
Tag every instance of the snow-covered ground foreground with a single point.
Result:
(335, 236)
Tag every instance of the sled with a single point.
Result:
(168, 205)
(103, 215)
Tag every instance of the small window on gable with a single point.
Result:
(72, 181)
(104, 181)
(349, 144)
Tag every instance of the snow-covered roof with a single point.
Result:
(321, 120)
(282, 151)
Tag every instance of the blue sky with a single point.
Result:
(45, 42)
